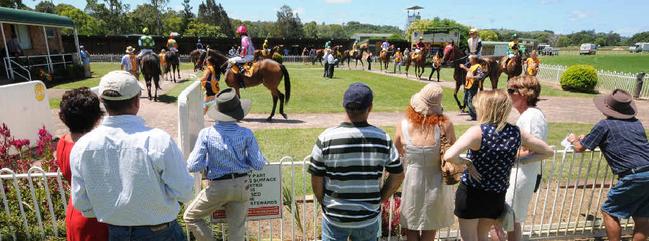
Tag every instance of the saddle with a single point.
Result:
(248, 69)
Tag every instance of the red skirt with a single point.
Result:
(80, 228)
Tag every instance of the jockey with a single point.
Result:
(328, 44)
(247, 50)
(171, 43)
(475, 43)
(513, 46)
(265, 45)
(146, 43)
(385, 45)
(354, 48)
(420, 46)
(199, 45)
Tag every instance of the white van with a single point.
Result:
(588, 49)
(639, 47)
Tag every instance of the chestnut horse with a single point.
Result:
(196, 56)
(172, 65)
(266, 71)
(355, 55)
(417, 59)
(319, 53)
(512, 68)
(272, 54)
(384, 58)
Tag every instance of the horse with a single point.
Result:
(513, 67)
(272, 54)
(454, 57)
(418, 59)
(319, 53)
(356, 55)
(384, 58)
(196, 57)
(173, 64)
(150, 67)
(266, 71)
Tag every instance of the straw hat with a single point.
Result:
(473, 30)
(428, 100)
(130, 50)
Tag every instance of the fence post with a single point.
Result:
(638, 85)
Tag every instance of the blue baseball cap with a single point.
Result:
(358, 96)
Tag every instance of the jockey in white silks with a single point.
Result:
(475, 43)
(385, 45)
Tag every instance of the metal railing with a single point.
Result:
(566, 206)
(116, 58)
(607, 80)
(26, 75)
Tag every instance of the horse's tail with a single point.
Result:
(287, 82)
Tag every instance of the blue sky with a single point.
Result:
(563, 16)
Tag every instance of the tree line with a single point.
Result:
(116, 17)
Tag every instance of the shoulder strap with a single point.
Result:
(404, 132)
(439, 131)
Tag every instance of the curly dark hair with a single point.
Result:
(79, 110)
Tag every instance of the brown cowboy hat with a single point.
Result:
(619, 104)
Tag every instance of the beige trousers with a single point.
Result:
(231, 195)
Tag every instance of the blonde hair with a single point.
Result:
(527, 86)
(493, 107)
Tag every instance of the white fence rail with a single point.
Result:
(607, 80)
(566, 206)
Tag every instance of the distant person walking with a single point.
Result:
(85, 61)
(426, 201)
(80, 112)
(623, 142)
(472, 83)
(347, 165)
(129, 62)
(228, 152)
(492, 151)
(128, 175)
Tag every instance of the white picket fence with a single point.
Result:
(607, 80)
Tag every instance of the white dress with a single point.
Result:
(426, 202)
(523, 176)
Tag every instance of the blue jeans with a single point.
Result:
(468, 100)
(331, 232)
(170, 232)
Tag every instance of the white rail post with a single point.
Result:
(8, 68)
(47, 47)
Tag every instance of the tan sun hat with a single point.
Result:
(473, 30)
(130, 50)
(428, 100)
(123, 83)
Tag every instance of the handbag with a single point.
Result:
(451, 172)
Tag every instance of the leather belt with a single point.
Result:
(633, 171)
(230, 176)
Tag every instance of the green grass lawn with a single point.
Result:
(631, 63)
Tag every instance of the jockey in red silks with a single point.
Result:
(172, 45)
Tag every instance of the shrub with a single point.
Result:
(579, 78)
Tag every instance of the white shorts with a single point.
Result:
(242, 60)
(144, 51)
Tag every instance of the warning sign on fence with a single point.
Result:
(265, 195)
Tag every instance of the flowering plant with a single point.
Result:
(391, 226)
(17, 155)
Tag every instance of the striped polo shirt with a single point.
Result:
(352, 158)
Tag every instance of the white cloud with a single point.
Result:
(547, 2)
(337, 1)
(299, 10)
(578, 14)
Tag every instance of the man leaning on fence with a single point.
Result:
(228, 152)
(128, 175)
(623, 142)
(347, 165)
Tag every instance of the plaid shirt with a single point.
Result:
(623, 143)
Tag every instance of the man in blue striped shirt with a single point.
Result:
(228, 152)
(347, 165)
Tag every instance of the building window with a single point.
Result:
(22, 32)
(51, 32)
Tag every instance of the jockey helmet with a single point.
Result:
(242, 29)
(145, 30)
(514, 36)
(171, 35)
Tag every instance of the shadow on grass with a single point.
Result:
(276, 119)
(167, 99)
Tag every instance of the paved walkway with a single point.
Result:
(557, 110)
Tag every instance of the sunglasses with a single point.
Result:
(511, 91)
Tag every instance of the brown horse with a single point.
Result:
(196, 56)
(454, 57)
(150, 66)
(172, 65)
(319, 53)
(272, 54)
(384, 58)
(266, 71)
(356, 55)
(513, 67)
(417, 59)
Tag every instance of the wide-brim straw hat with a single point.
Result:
(619, 105)
(428, 100)
(130, 50)
(473, 30)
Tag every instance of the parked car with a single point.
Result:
(588, 49)
(546, 49)
(639, 47)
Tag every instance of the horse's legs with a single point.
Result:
(281, 105)
(178, 70)
(272, 113)
(147, 80)
(156, 82)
